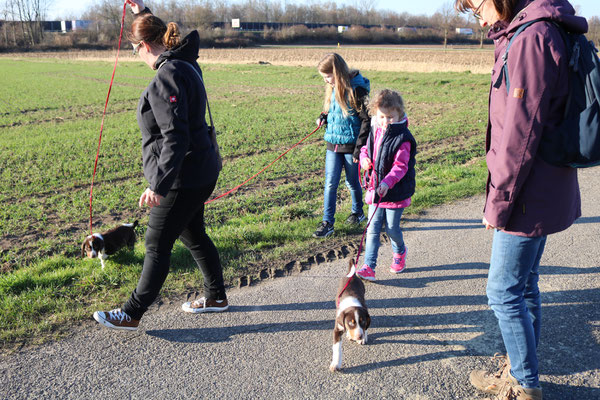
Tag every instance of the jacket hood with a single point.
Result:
(360, 81)
(559, 11)
(186, 51)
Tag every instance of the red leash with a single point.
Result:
(366, 187)
(104, 113)
(262, 170)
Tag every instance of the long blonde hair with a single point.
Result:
(334, 64)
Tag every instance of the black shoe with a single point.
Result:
(324, 230)
(355, 219)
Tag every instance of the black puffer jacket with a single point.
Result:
(176, 147)
(393, 138)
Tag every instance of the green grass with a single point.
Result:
(50, 114)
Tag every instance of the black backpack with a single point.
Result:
(576, 141)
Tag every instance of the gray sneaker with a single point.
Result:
(355, 218)
(324, 230)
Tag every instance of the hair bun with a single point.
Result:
(172, 35)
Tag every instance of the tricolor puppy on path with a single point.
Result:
(102, 245)
(352, 315)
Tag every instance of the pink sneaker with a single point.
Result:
(366, 273)
(399, 263)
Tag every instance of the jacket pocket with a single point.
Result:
(155, 149)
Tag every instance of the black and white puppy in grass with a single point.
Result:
(352, 315)
(102, 245)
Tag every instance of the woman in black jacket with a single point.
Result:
(180, 164)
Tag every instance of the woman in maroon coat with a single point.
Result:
(526, 198)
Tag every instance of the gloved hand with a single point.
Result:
(322, 119)
(382, 189)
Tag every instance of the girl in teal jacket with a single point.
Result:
(348, 125)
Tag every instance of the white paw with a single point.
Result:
(335, 367)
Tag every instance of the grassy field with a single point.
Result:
(50, 113)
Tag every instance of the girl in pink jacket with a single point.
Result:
(389, 159)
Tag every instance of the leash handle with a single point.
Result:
(104, 112)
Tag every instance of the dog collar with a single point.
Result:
(347, 303)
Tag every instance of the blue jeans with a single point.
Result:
(333, 171)
(391, 217)
(513, 295)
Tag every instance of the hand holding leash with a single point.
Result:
(382, 189)
(322, 120)
(137, 6)
(366, 164)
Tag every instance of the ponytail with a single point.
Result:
(152, 30)
(171, 38)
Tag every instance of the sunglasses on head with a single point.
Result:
(136, 47)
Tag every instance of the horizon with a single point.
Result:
(66, 9)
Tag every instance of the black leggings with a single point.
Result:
(179, 215)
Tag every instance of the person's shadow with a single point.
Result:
(569, 344)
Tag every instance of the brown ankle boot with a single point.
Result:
(512, 390)
(492, 382)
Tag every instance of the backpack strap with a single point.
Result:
(205, 92)
(504, 72)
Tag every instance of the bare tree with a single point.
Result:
(446, 18)
(108, 13)
(594, 30)
(366, 9)
(30, 14)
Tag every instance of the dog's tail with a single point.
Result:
(351, 268)
(135, 224)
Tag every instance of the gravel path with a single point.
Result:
(431, 326)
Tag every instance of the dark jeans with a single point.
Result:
(179, 215)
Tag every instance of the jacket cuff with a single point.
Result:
(144, 11)
(389, 182)
(498, 206)
(157, 190)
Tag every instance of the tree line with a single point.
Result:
(21, 25)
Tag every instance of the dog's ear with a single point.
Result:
(83, 248)
(97, 243)
(368, 321)
(339, 323)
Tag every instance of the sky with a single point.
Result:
(68, 8)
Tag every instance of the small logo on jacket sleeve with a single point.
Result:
(519, 93)
(173, 99)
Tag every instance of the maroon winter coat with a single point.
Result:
(525, 195)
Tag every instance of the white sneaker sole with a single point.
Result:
(367, 278)
(324, 236)
(186, 307)
(393, 271)
(107, 324)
